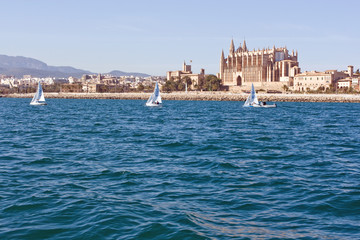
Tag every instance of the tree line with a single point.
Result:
(209, 83)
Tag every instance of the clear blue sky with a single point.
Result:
(156, 36)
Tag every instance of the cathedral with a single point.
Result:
(261, 67)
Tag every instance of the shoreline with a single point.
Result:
(203, 96)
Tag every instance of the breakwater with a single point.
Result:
(204, 96)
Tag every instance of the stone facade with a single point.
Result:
(243, 67)
(186, 72)
(314, 80)
(344, 83)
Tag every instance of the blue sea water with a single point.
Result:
(115, 169)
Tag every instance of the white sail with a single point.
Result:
(155, 98)
(253, 95)
(252, 98)
(34, 99)
(247, 102)
(41, 93)
(38, 98)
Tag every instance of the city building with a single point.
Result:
(87, 83)
(89, 87)
(344, 83)
(268, 68)
(186, 72)
(350, 81)
(355, 83)
(313, 80)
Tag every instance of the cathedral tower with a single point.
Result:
(243, 67)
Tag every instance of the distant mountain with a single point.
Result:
(117, 73)
(21, 62)
(20, 66)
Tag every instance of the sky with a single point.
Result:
(156, 36)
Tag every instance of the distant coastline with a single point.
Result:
(203, 96)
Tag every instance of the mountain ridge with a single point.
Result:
(19, 66)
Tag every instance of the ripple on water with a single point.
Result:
(114, 169)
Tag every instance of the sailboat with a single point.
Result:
(252, 100)
(155, 98)
(38, 98)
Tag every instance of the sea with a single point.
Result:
(116, 169)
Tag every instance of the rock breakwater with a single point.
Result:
(204, 96)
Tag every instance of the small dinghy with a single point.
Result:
(38, 98)
(155, 98)
(252, 100)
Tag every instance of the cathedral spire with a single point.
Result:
(232, 47)
(239, 49)
(244, 46)
(222, 61)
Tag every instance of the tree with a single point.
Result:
(320, 89)
(101, 88)
(201, 83)
(212, 83)
(127, 87)
(52, 88)
(285, 87)
(170, 85)
(187, 80)
(140, 87)
(180, 85)
(209, 83)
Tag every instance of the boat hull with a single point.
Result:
(269, 106)
(154, 105)
(262, 106)
(38, 103)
